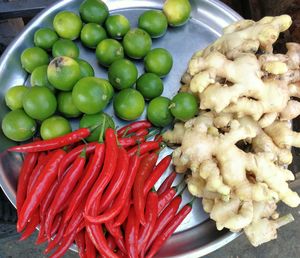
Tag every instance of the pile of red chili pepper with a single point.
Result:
(99, 195)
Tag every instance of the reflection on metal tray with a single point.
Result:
(197, 235)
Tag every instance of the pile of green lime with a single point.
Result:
(64, 86)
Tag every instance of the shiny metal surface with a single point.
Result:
(197, 235)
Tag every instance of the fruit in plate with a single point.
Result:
(85, 68)
(177, 11)
(117, 26)
(150, 85)
(54, 126)
(154, 22)
(66, 106)
(39, 103)
(90, 95)
(108, 51)
(14, 96)
(158, 61)
(18, 126)
(184, 106)
(93, 11)
(92, 34)
(137, 43)
(39, 78)
(67, 25)
(122, 74)
(63, 72)
(158, 112)
(65, 47)
(100, 120)
(33, 57)
(45, 38)
(129, 104)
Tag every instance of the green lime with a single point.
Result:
(90, 95)
(93, 11)
(154, 22)
(122, 74)
(45, 38)
(158, 112)
(39, 103)
(63, 72)
(67, 25)
(65, 104)
(129, 104)
(109, 88)
(158, 61)
(184, 106)
(137, 43)
(150, 85)
(108, 51)
(92, 34)
(18, 126)
(65, 47)
(54, 126)
(33, 57)
(39, 78)
(100, 120)
(177, 11)
(117, 26)
(14, 96)
(85, 68)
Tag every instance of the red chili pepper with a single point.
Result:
(167, 183)
(122, 197)
(36, 171)
(91, 173)
(117, 180)
(117, 234)
(72, 155)
(164, 218)
(144, 148)
(142, 132)
(64, 246)
(31, 226)
(133, 127)
(131, 141)
(109, 167)
(90, 248)
(41, 235)
(75, 220)
(23, 179)
(45, 204)
(40, 189)
(132, 234)
(169, 230)
(80, 242)
(64, 190)
(145, 169)
(81, 226)
(58, 237)
(151, 217)
(111, 243)
(54, 143)
(165, 198)
(123, 214)
(157, 173)
(56, 225)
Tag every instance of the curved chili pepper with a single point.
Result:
(56, 225)
(142, 132)
(123, 214)
(91, 174)
(109, 167)
(80, 242)
(31, 226)
(164, 218)
(64, 246)
(75, 220)
(117, 180)
(132, 234)
(111, 243)
(145, 168)
(167, 183)
(72, 155)
(169, 230)
(122, 197)
(48, 199)
(133, 127)
(151, 216)
(165, 198)
(58, 237)
(40, 188)
(117, 234)
(64, 190)
(90, 248)
(23, 179)
(131, 141)
(54, 143)
(157, 173)
(144, 147)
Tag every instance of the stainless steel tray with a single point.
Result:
(197, 235)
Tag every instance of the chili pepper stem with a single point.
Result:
(101, 138)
